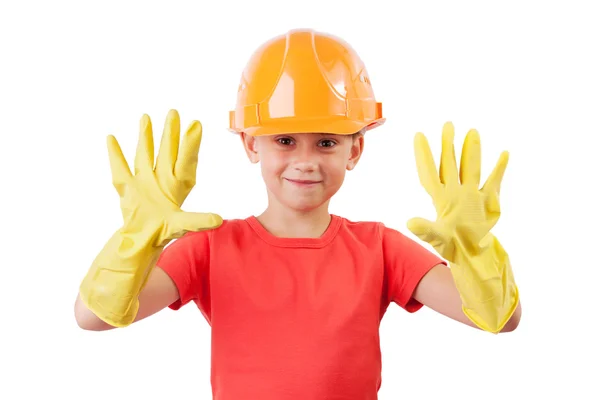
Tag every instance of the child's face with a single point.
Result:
(303, 171)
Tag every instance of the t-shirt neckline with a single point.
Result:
(321, 241)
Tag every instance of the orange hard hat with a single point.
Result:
(305, 82)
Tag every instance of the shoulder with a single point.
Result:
(232, 228)
(372, 228)
(362, 230)
(377, 232)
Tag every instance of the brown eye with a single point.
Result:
(326, 143)
(284, 141)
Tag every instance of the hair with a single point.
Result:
(359, 133)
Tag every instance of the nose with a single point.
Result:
(305, 160)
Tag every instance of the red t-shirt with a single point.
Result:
(296, 319)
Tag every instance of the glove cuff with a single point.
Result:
(486, 285)
(113, 283)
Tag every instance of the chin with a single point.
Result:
(302, 200)
(306, 204)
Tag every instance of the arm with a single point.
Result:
(461, 234)
(437, 291)
(159, 293)
(180, 275)
(150, 200)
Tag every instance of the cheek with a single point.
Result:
(272, 165)
(336, 170)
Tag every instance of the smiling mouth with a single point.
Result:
(302, 182)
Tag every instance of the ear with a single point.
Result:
(358, 145)
(249, 143)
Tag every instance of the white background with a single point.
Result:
(525, 74)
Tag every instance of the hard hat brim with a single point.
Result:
(336, 126)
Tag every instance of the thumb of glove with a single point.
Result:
(430, 232)
(182, 222)
(422, 228)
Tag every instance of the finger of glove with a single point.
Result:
(428, 175)
(169, 145)
(118, 165)
(448, 169)
(144, 156)
(470, 159)
(494, 181)
(182, 222)
(187, 159)
(492, 208)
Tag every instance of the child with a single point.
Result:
(295, 295)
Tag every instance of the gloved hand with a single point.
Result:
(150, 204)
(461, 233)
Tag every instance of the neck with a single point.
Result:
(283, 222)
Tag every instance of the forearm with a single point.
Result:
(86, 319)
(514, 320)
(113, 283)
(485, 281)
(438, 291)
(159, 292)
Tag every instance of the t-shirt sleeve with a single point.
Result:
(405, 262)
(187, 261)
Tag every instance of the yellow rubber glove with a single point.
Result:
(150, 204)
(461, 233)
